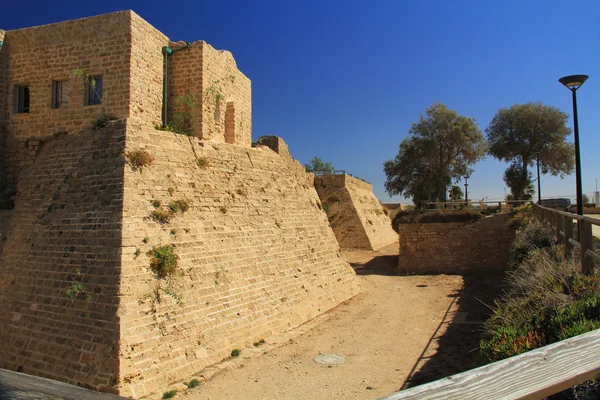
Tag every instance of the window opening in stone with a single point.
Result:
(20, 99)
(230, 123)
(94, 90)
(60, 94)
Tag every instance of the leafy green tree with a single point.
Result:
(456, 193)
(440, 148)
(513, 179)
(316, 164)
(528, 132)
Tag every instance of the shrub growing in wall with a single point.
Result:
(138, 159)
(163, 260)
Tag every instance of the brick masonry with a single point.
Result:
(355, 214)
(66, 228)
(80, 303)
(455, 248)
(257, 256)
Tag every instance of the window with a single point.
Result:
(20, 99)
(60, 94)
(94, 90)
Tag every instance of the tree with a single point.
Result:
(526, 133)
(513, 179)
(316, 164)
(441, 147)
(456, 193)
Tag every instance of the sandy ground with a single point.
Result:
(595, 228)
(382, 334)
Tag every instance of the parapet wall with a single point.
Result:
(355, 214)
(455, 248)
(256, 256)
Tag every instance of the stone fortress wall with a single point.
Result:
(81, 303)
(355, 214)
(256, 255)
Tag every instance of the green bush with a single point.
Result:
(202, 162)
(548, 299)
(162, 216)
(163, 260)
(193, 383)
(138, 159)
(179, 205)
(235, 352)
(522, 216)
(534, 236)
(170, 394)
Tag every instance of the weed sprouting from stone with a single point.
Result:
(202, 162)
(235, 352)
(138, 159)
(193, 383)
(163, 260)
(170, 394)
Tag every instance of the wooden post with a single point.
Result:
(559, 228)
(568, 224)
(585, 240)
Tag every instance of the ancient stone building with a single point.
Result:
(135, 257)
(356, 216)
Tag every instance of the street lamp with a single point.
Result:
(574, 82)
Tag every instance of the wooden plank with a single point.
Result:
(532, 375)
(593, 256)
(574, 243)
(568, 225)
(35, 384)
(585, 239)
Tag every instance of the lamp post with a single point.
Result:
(574, 82)
(466, 191)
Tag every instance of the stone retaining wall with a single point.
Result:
(455, 248)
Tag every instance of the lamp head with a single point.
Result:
(573, 82)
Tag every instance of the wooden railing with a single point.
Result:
(532, 375)
(502, 205)
(563, 224)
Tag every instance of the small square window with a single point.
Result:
(60, 94)
(94, 90)
(20, 99)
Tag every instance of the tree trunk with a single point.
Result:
(524, 180)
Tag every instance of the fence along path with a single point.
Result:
(532, 375)
(538, 373)
(563, 225)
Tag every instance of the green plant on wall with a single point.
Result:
(77, 288)
(163, 260)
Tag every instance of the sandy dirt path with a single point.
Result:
(595, 228)
(381, 333)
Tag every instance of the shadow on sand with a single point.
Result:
(454, 346)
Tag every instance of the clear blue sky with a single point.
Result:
(344, 79)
